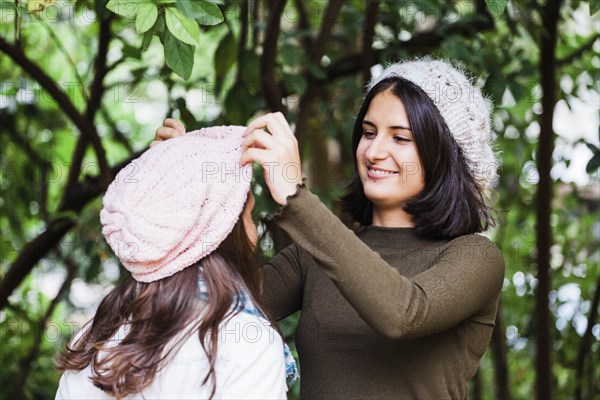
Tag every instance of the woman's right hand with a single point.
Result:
(269, 140)
(171, 128)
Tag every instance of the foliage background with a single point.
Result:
(84, 84)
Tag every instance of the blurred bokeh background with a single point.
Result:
(84, 85)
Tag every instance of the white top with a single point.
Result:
(250, 365)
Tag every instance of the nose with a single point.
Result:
(377, 149)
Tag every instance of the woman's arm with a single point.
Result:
(283, 281)
(465, 280)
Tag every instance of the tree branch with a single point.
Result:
(329, 20)
(304, 25)
(579, 52)
(97, 88)
(47, 83)
(65, 53)
(499, 353)
(547, 67)
(586, 342)
(85, 126)
(34, 250)
(35, 157)
(307, 101)
(119, 136)
(94, 102)
(255, 24)
(367, 61)
(31, 153)
(466, 27)
(31, 253)
(25, 364)
(75, 166)
(243, 37)
(270, 84)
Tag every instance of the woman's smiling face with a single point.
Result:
(389, 166)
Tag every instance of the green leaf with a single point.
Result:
(294, 83)
(160, 28)
(495, 85)
(203, 12)
(147, 39)
(225, 55)
(594, 6)
(184, 113)
(126, 8)
(211, 14)
(317, 72)
(240, 104)
(250, 74)
(131, 51)
(179, 56)
(181, 27)
(496, 6)
(595, 150)
(147, 15)
(594, 164)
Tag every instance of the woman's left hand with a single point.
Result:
(269, 140)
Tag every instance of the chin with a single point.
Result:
(377, 198)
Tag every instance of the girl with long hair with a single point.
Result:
(404, 306)
(186, 322)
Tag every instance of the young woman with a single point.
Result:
(185, 323)
(405, 307)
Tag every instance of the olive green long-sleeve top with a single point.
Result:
(386, 314)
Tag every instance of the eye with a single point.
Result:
(401, 139)
(369, 134)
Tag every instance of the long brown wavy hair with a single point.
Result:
(159, 312)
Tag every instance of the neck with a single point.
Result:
(395, 218)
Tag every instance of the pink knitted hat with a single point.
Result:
(177, 202)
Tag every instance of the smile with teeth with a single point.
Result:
(380, 172)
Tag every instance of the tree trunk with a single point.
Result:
(586, 343)
(543, 363)
(499, 353)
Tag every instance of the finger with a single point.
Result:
(154, 143)
(175, 124)
(164, 133)
(254, 154)
(258, 138)
(284, 123)
(270, 122)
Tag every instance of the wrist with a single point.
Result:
(289, 192)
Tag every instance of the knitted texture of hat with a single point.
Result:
(177, 202)
(463, 107)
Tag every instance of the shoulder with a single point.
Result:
(475, 246)
(248, 334)
(476, 251)
(254, 355)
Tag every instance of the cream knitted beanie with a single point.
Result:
(177, 202)
(464, 109)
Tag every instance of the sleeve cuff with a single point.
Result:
(282, 210)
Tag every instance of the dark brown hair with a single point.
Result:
(160, 312)
(451, 204)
